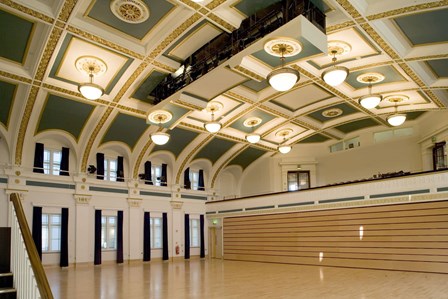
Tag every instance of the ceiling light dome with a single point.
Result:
(283, 79)
(160, 117)
(370, 101)
(212, 126)
(91, 91)
(284, 149)
(335, 75)
(91, 66)
(160, 138)
(253, 138)
(396, 119)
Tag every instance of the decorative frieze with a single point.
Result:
(83, 199)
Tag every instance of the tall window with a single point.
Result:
(51, 232)
(439, 156)
(110, 169)
(194, 179)
(298, 180)
(156, 173)
(109, 232)
(156, 232)
(194, 232)
(52, 161)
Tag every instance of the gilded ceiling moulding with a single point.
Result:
(15, 77)
(67, 10)
(49, 49)
(129, 82)
(406, 10)
(24, 123)
(221, 22)
(28, 11)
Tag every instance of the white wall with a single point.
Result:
(257, 178)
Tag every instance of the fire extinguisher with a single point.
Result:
(177, 249)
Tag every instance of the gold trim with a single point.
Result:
(129, 82)
(14, 77)
(52, 42)
(6, 126)
(249, 74)
(407, 10)
(163, 66)
(28, 11)
(67, 10)
(214, 4)
(340, 27)
(227, 26)
(24, 123)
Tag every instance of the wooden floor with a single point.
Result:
(232, 279)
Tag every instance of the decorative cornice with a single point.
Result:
(406, 10)
(15, 77)
(66, 10)
(28, 11)
(341, 26)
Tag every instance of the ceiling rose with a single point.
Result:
(130, 11)
(289, 46)
(338, 47)
(160, 116)
(333, 112)
(91, 65)
(370, 78)
(252, 122)
(396, 98)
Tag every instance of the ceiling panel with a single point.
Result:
(179, 140)
(390, 73)
(246, 157)
(439, 67)
(147, 86)
(7, 95)
(332, 112)
(357, 125)
(425, 27)
(100, 11)
(127, 129)
(301, 97)
(16, 35)
(64, 114)
(213, 150)
(239, 123)
(315, 138)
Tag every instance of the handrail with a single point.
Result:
(36, 265)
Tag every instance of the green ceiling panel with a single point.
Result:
(177, 112)
(246, 157)
(148, 86)
(7, 92)
(425, 28)
(255, 85)
(390, 73)
(357, 125)
(64, 114)
(126, 128)
(15, 34)
(414, 115)
(249, 7)
(179, 139)
(158, 10)
(346, 110)
(308, 49)
(439, 67)
(239, 123)
(214, 149)
(316, 138)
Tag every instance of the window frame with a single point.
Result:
(107, 169)
(194, 228)
(152, 229)
(105, 228)
(156, 180)
(194, 179)
(298, 173)
(49, 225)
(49, 166)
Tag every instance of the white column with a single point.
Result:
(84, 224)
(177, 225)
(135, 229)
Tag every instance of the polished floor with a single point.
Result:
(229, 279)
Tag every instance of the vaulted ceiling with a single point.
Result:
(42, 40)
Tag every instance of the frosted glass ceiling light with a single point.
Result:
(160, 117)
(283, 78)
(396, 119)
(251, 123)
(284, 148)
(91, 66)
(336, 74)
(371, 100)
(213, 126)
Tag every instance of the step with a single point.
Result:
(8, 293)
(6, 280)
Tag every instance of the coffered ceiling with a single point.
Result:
(42, 40)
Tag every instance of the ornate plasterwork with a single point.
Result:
(406, 10)
(66, 10)
(177, 205)
(130, 11)
(221, 22)
(52, 42)
(247, 73)
(28, 11)
(15, 77)
(134, 202)
(82, 199)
